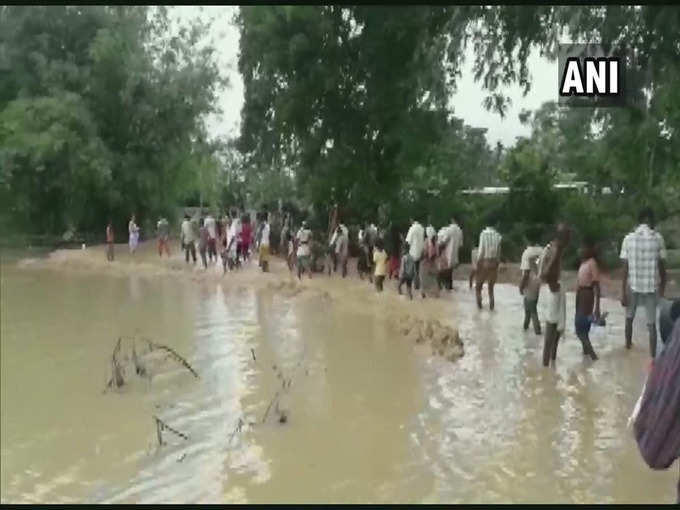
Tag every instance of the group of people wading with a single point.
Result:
(425, 258)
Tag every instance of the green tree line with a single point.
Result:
(101, 115)
(354, 102)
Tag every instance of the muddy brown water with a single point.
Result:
(370, 417)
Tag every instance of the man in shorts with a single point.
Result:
(163, 229)
(550, 271)
(304, 238)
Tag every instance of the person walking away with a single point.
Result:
(246, 237)
(407, 271)
(224, 230)
(264, 244)
(163, 229)
(587, 297)
(429, 270)
(290, 251)
(550, 270)
(473, 264)
(331, 256)
(203, 241)
(219, 227)
(285, 230)
(342, 248)
(488, 259)
(109, 241)
(238, 227)
(187, 238)
(133, 231)
(233, 243)
(258, 236)
(364, 261)
(371, 238)
(211, 228)
(530, 288)
(450, 240)
(415, 238)
(530, 285)
(380, 263)
(643, 253)
(304, 237)
(657, 424)
(394, 252)
(669, 311)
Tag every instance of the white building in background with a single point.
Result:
(579, 186)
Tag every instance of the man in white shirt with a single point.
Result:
(643, 252)
(264, 243)
(415, 238)
(340, 244)
(530, 284)
(211, 227)
(236, 231)
(187, 238)
(304, 238)
(488, 259)
(450, 240)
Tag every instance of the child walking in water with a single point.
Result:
(380, 262)
(587, 297)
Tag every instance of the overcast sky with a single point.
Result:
(467, 101)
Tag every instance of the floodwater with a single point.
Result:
(370, 417)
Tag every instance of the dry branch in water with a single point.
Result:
(173, 355)
(116, 370)
(161, 426)
(266, 413)
(285, 386)
(139, 368)
(239, 427)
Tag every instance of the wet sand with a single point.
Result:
(371, 417)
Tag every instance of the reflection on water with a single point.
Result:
(370, 417)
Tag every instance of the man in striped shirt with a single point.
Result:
(657, 424)
(643, 253)
(488, 258)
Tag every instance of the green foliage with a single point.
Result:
(54, 162)
(102, 115)
(352, 101)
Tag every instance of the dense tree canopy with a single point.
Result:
(101, 113)
(354, 102)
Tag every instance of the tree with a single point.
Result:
(111, 102)
(351, 100)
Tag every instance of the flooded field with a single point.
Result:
(369, 416)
